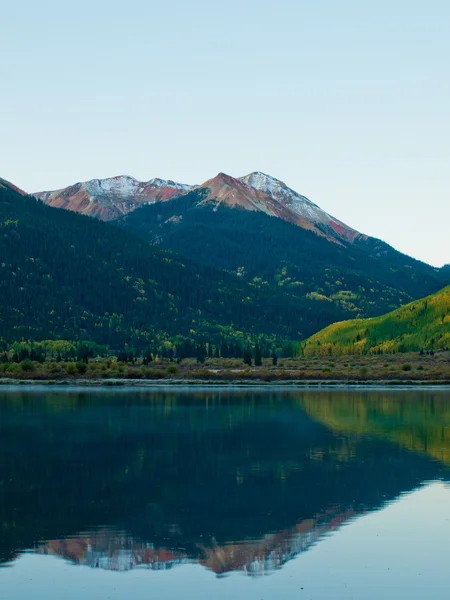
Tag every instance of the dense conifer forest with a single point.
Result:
(365, 279)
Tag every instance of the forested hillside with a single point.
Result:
(364, 279)
(66, 276)
(423, 325)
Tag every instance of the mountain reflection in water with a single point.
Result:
(230, 480)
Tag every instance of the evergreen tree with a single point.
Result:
(201, 353)
(83, 354)
(122, 356)
(257, 353)
(274, 359)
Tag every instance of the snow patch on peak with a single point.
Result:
(274, 187)
(157, 182)
(122, 186)
(260, 180)
(127, 187)
(297, 203)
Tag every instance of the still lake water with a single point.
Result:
(209, 494)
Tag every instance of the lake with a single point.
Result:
(201, 494)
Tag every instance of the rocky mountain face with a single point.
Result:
(300, 206)
(107, 199)
(272, 198)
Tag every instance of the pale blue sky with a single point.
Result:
(346, 101)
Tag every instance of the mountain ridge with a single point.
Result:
(111, 198)
(299, 204)
(107, 199)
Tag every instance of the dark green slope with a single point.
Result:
(365, 279)
(66, 276)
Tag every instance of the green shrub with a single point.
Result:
(406, 367)
(154, 374)
(132, 373)
(27, 365)
(172, 369)
(71, 368)
(81, 367)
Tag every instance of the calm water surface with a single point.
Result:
(210, 494)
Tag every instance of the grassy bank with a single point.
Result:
(400, 368)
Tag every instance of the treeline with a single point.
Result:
(63, 350)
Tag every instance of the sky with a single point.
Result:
(347, 102)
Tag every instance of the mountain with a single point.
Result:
(421, 325)
(224, 190)
(66, 276)
(108, 199)
(279, 246)
(301, 206)
(226, 224)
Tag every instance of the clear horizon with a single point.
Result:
(346, 104)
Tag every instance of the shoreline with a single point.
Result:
(110, 384)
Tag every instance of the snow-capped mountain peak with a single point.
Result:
(157, 182)
(274, 187)
(112, 197)
(299, 204)
(122, 185)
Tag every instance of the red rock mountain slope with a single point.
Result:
(7, 184)
(108, 199)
